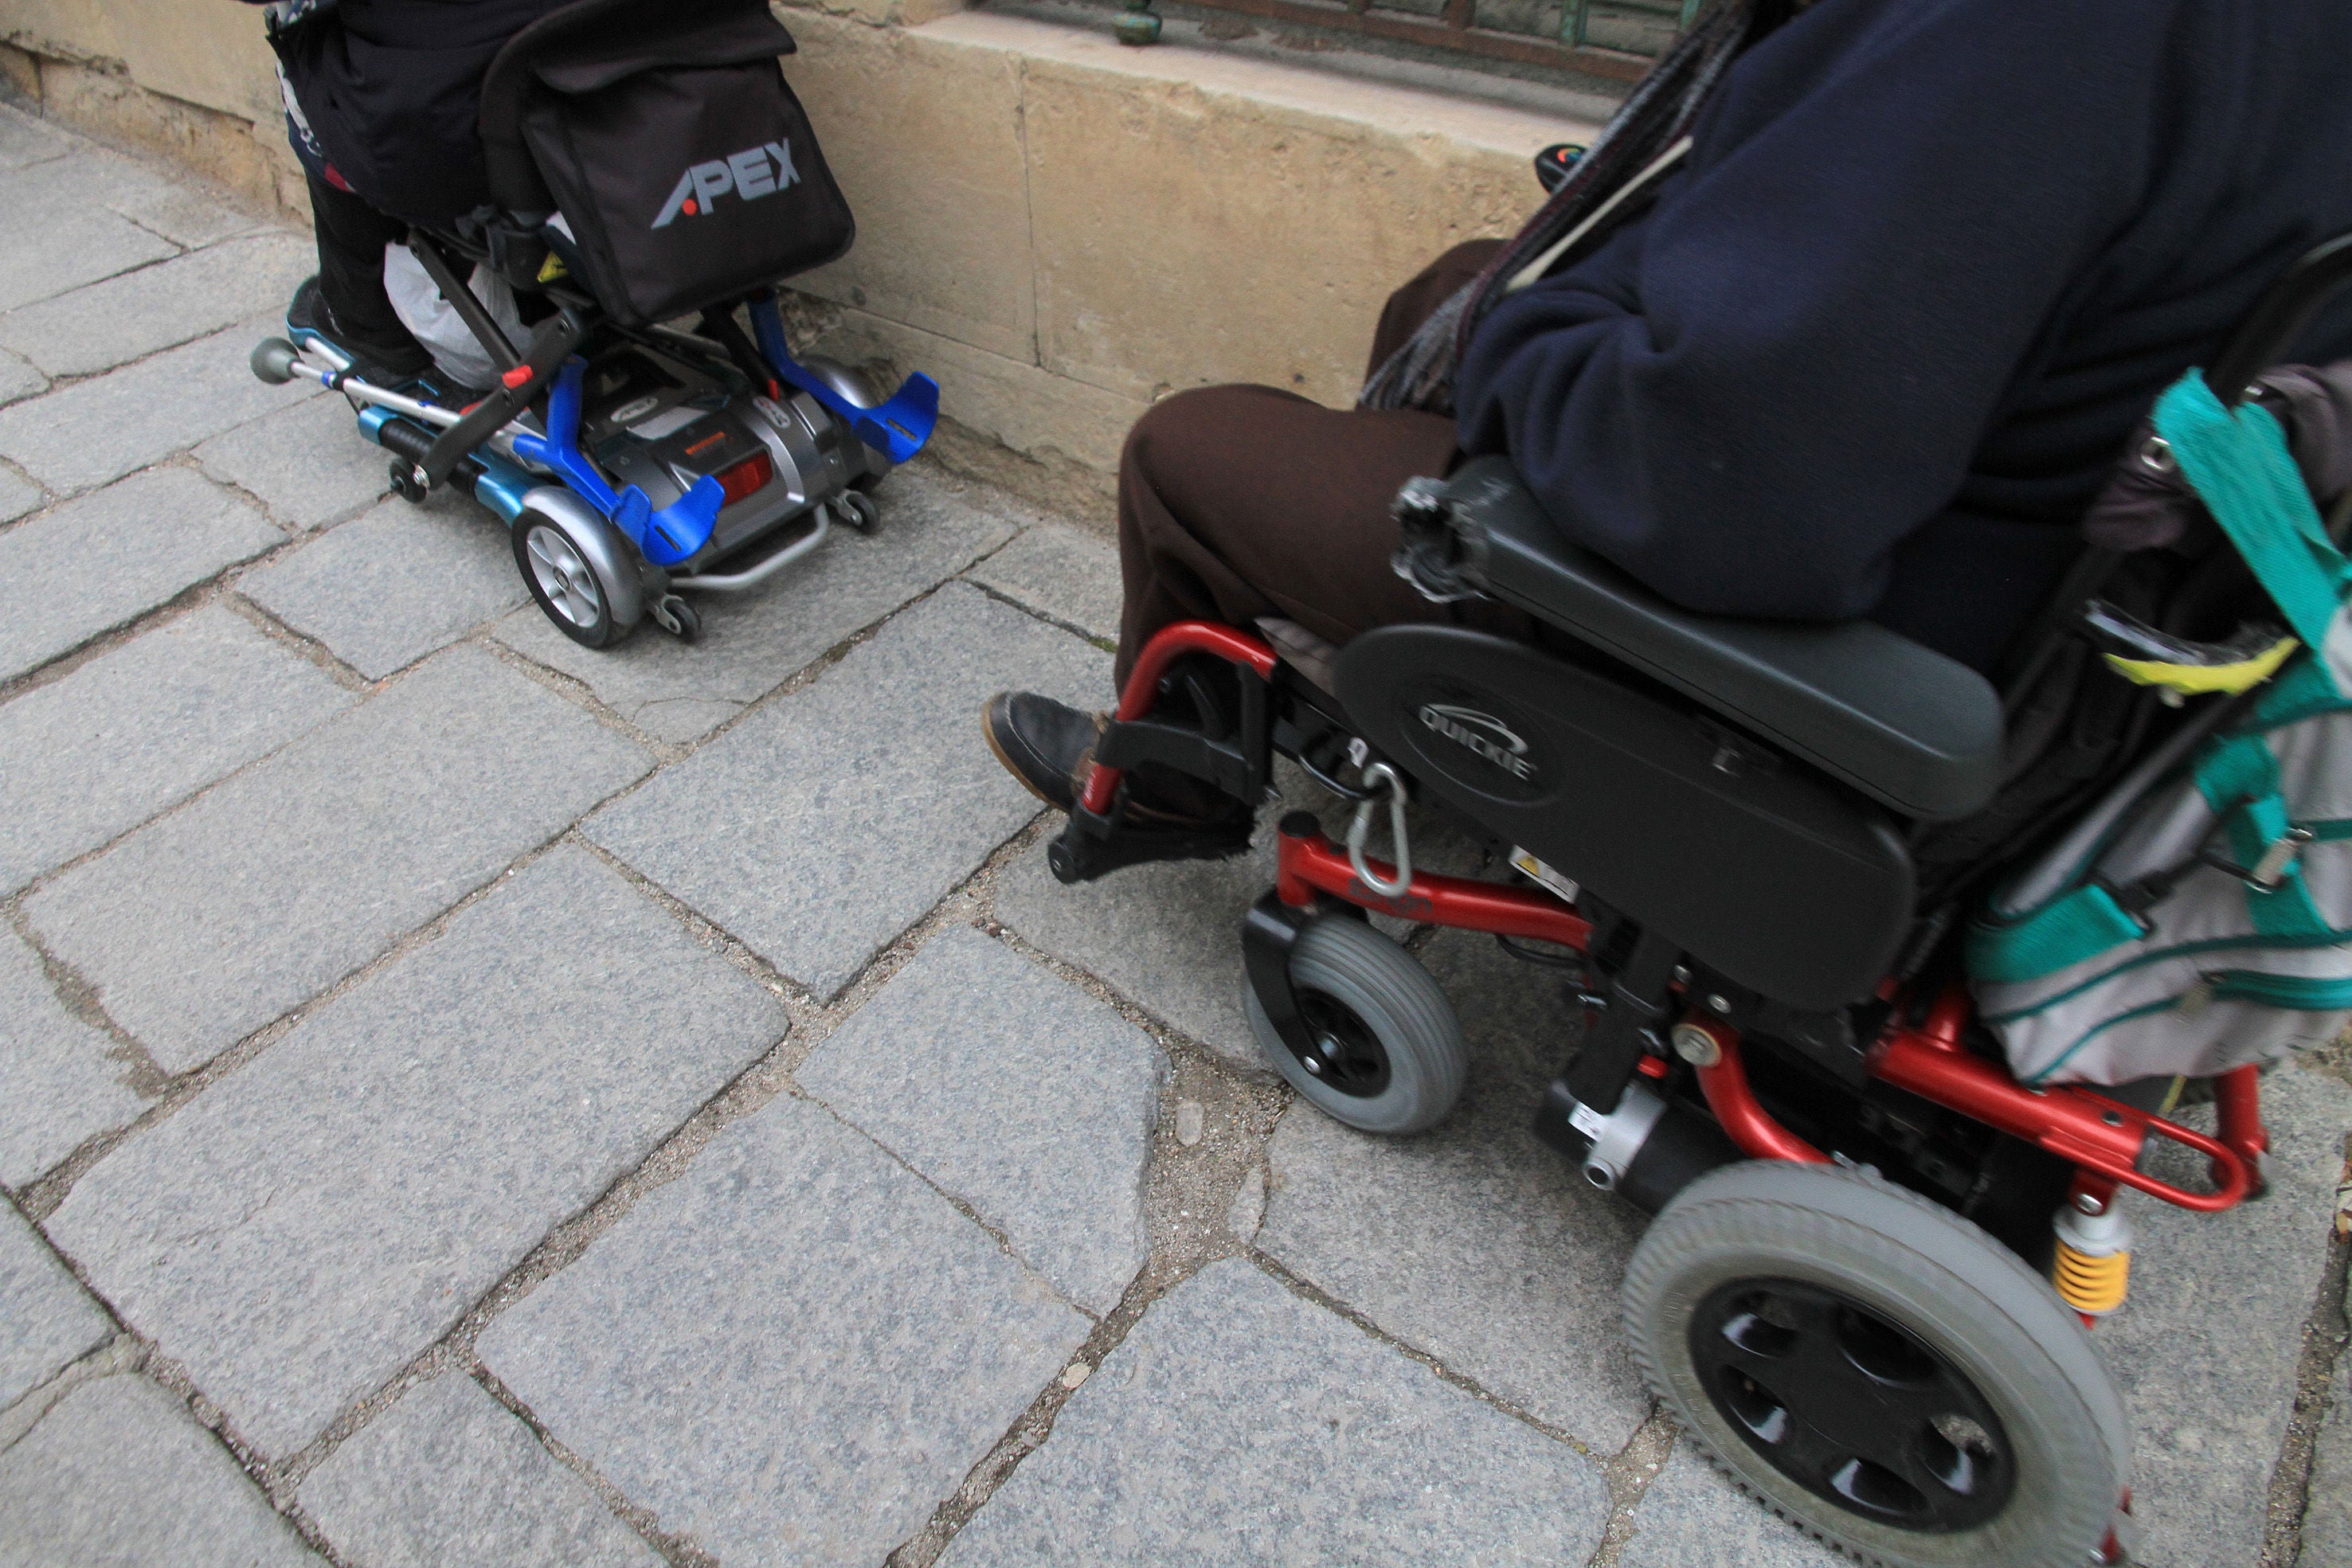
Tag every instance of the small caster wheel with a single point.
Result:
(858, 510)
(676, 617)
(1387, 1054)
(574, 568)
(1878, 1370)
(406, 485)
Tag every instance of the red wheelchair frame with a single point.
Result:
(2103, 1138)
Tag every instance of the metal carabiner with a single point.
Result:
(1379, 774)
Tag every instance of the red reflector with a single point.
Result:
(515, 377)
(748, 478)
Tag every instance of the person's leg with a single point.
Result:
(359, 316)
(1240, 502)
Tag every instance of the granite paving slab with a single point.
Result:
(102, 428)
(752, 642)
(57, 239)
(47, 1322)
(299, 1232)
(1473, 1241)
(1070, 574)
(2207, 1346)
(1017, 1093)
(449, 1476)
(207, 923)
(162, 199)
(64, 1084)
(119, 1475)
(103, 560)
(308, 464)
(791, 1352)
(820, 827)
(144, 726)
(2327, 1518)
(25, 140)
(18, 496)
(1239, 1424)
(387, 588)
(104, 324)
(1692, 1517)
(1168, 936)
(20, 380)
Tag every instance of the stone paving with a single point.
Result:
(467, 1099)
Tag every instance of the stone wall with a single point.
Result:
(1058, 228)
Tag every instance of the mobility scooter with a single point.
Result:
(649, 165)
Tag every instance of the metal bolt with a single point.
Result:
(2111, 1118)
(1682, 974)
(2089, 1203)
(1719, 1003)
(1314, 1064)
(1695, 1045)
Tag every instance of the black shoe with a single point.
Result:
(1048, 746)
(386, 365)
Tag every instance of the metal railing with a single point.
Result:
(1612, 38)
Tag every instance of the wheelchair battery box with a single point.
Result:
(681, 164)
(1751, 862)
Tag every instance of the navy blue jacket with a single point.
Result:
(1877, 346)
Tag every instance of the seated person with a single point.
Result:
(382, 98)
(1871, 352)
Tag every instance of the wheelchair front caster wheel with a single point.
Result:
(1387, 1054)
(574, 568)
(677, 618)
(1878, 1370)
(858, 510)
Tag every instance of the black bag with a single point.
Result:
(663, 133)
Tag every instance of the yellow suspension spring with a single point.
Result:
(2091, 1283)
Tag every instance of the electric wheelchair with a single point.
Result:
(1759, 847)
(649, 164)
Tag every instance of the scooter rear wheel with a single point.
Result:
(1878, 1371)
(573, 577)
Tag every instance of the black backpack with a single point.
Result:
(658, 146)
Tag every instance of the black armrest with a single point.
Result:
(1899, 722)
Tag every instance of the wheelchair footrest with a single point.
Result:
(1126, 743)
(1092, 846)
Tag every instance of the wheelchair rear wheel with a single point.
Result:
(1389, 1057)
(1878, 1371)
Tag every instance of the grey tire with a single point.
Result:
(1951, 1289)
(579, 571)
(1400, 1009)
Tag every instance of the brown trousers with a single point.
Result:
(1236, 502)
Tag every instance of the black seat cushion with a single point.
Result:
(1906, 726)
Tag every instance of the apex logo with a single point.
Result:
(746, 174)
(1482, 733)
